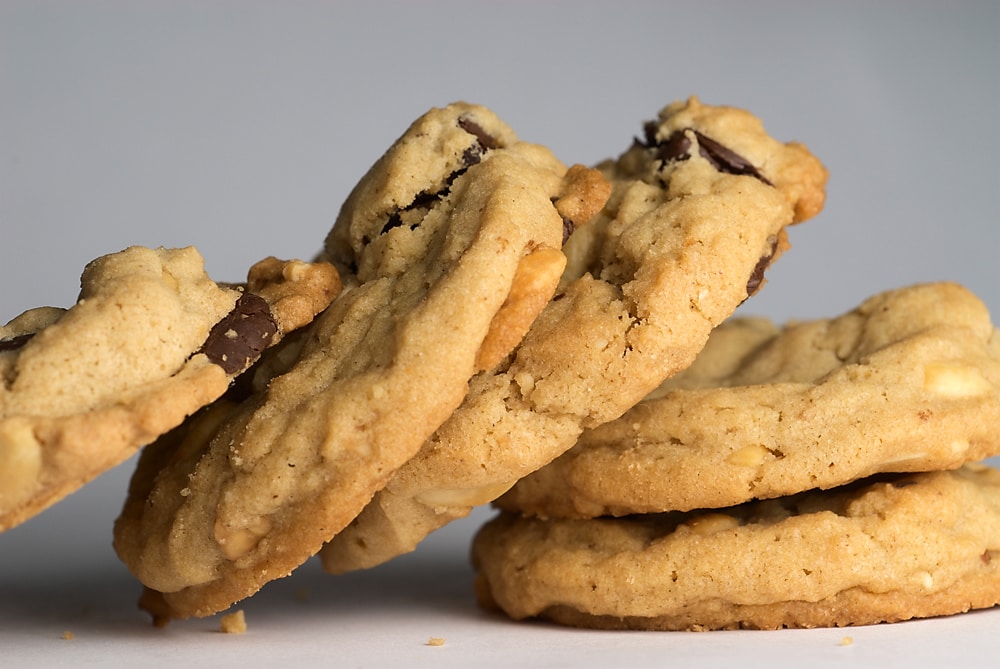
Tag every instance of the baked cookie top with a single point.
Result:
(447, 245)
(150, 340)
(697, 211)
(907, 381)
(879, 550)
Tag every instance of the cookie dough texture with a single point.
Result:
(697, 211)
(880, 550)
(908, 381)
(449, 228)
(81, 389)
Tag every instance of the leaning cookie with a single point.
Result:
(908, 381)
(697, 212)
(451, 243)
(150, 341)
(885, 549)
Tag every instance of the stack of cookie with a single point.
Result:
(496, 303)
(820, 474)
(486, 323)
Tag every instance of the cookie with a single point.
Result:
(908, 381)
(447, 245)
(880, 550)
(150, 340)
(697, 211)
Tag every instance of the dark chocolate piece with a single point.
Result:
(757, 275)
(678, 147)
(486, 140)
(14, 343)
(675, 147)
(568, 228)
(726, 160)
(471, 156)
(238, 339)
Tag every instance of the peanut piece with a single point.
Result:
(955, 380)
(535, 281)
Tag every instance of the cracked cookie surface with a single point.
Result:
(885, 549)
(448, 244)
(684, 238)
(908, 381)
(150, 340)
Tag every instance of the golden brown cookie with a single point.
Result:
(880, 550)
(150, 340)
(697, 212)
(446, 244)
(908, 381)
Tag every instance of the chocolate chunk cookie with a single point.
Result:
(150, 340)
(449, 245)
(908, 381)
(880, 550)
(698, 210)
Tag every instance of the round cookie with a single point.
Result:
(880, 550)
(150, 340)
(685, 237)
(447, 244)
(908, 381)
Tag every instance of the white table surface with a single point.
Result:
(239, 127)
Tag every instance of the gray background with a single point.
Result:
(239, 127)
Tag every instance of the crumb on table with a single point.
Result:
(234, 623)
(436, 641)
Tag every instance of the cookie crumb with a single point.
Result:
(68, 636)
(846, 641)
(234, 623)
(436, 641)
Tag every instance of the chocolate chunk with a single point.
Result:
(14, 343)
(238, 339)
(568, 228)
(757, 275)
(486, 140)
(678, 147)
(471, 156)
(675, 147)
(395, 220)
(726, 160)
(649, 129)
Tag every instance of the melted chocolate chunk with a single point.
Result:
(395, 220)
(678, 147)
(649, 132)
(486, 140)
(757, 275)
(675, 147)
(239, 338)
(726, 160)
(568, 228)
(471, 156)
(14, 343)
